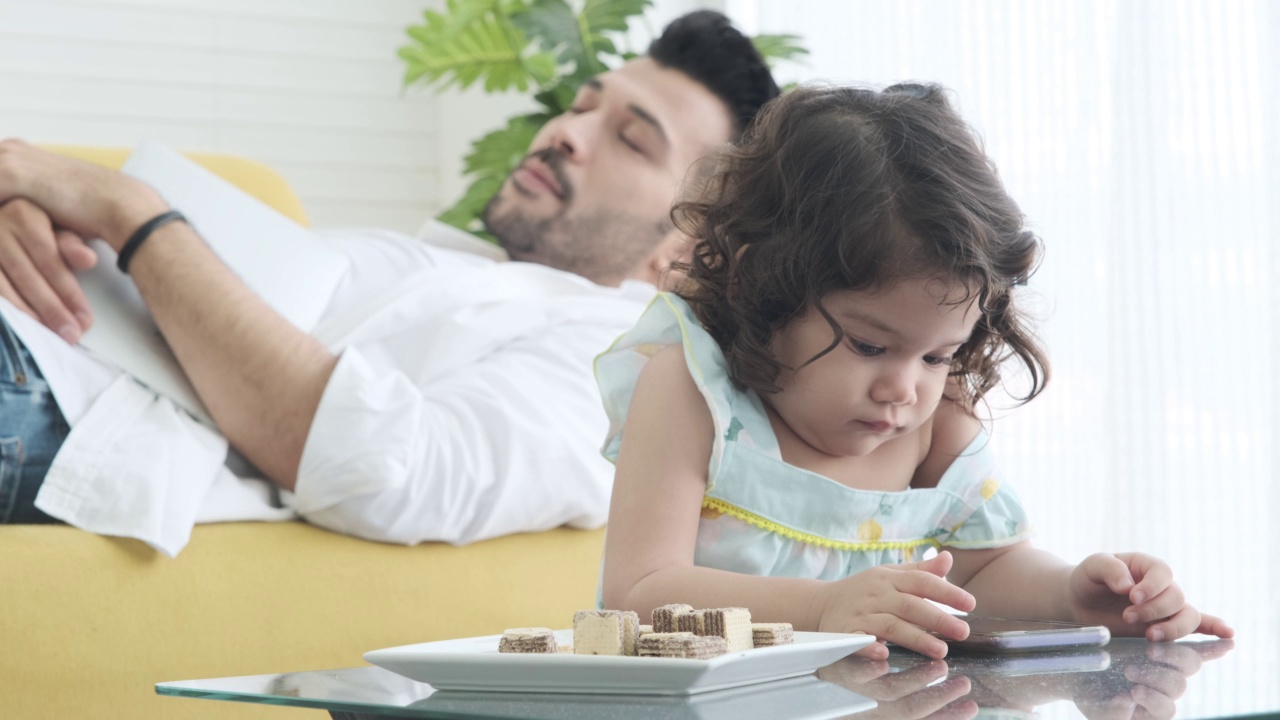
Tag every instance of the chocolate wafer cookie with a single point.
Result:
(770, 634)
(680, 645)
(527, 640)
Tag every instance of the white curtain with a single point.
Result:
(1142, 140)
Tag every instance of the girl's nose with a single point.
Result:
(896, 386)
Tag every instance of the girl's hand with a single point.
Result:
(1134, 594)
(891, 602)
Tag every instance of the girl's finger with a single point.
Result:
(1163, 679)
(891, 628)
(1213, 625)
(929, 617)
(936, 699)
(1152, 702)
(932, 587)
(902, 684)
(1119, 707)
(939, 565)
(1154, 577)
(1177, 656)
(874, 651)
(1109, 570)
(1184, 622)
(961, 709)
(1159, 606)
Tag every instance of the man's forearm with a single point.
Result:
(259, 376)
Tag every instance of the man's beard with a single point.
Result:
(605, 246)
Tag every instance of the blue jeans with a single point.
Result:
(31, 431)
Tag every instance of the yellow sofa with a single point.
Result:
(89, 624)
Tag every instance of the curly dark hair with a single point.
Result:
(843, 188)
(705, 46)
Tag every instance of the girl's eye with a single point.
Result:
(935, 361)
(865, 349)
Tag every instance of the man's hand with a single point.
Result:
(87, 199)
(260, 377)
(1134, 594)
(38, 262)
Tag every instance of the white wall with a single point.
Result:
(311, 87)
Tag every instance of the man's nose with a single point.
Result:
(573, 135)
(895, 386)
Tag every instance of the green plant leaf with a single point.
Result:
(557, 99)
(597, 18)
(552, 25)
(774, 48)
(465, 213)
(600, 16)
(498, 152)
(475, 39)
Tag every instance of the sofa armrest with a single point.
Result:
(251, 176)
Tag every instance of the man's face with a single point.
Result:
(593, 195)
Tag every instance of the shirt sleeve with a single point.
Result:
(985, 512)
(505, 445)
(995, 519)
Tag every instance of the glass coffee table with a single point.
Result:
(1128, 678)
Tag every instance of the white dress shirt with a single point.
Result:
(462, 407)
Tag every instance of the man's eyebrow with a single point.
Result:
(883, 327)
(648, 118)
(644, 115)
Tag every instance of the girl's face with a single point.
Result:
(886, 377)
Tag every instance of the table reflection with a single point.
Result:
(1131, 678)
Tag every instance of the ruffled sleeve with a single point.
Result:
(985, 512)
(737, 417)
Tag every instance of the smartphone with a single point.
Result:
(1048, 662)
(1005, 635)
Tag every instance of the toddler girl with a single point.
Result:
(797, 425)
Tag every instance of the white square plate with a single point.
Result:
(476, 664)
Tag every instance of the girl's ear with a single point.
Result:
(675, 247)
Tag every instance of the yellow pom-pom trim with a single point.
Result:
(710, 503)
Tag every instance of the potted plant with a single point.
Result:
(546, 47)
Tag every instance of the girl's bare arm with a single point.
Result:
(653, 526)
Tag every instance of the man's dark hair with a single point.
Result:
(706, 47)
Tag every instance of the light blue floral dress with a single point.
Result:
(762, 516)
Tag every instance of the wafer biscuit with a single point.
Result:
(664, 618)
(527, 640)
(680, 645)
(770, 634)
(605, 632)
(732, 624)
